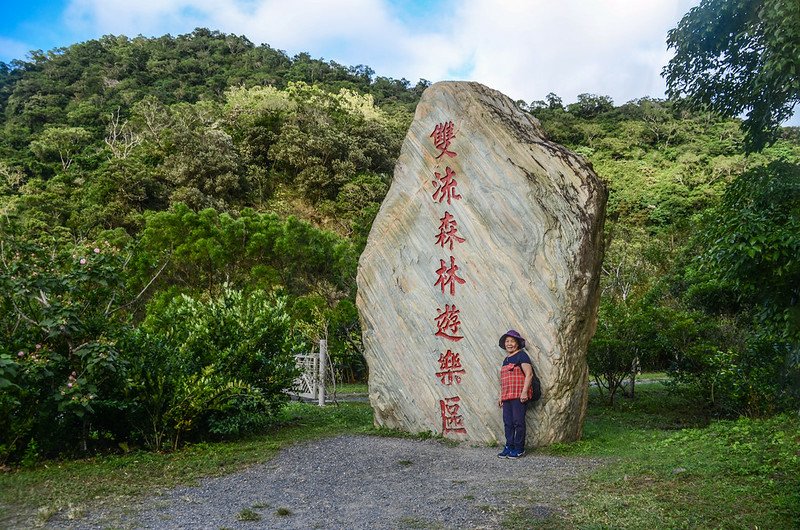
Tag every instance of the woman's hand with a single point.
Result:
(523, 397)
(500, 403)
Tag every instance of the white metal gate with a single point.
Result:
(305, 385)
(310, 384)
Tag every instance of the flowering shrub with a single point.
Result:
(57, 338)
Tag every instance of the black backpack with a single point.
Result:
(537, 387)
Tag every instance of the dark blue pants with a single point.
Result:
(514, 421)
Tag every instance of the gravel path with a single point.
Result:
(357, 482)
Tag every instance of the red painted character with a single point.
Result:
(448, 276)
(448, 323)
(445, 186)
(451, 369)
(452, 421)
(442, 135)
(447, 231)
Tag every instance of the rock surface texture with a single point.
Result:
(487, 226)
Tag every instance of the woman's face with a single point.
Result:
(511, 344)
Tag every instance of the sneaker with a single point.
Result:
(514, 454)
(504, 453)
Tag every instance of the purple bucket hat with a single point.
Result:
(514, 334)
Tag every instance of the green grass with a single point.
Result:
(248, 515)
(667, 466)
(418, 523)
(352, 388)
(653, 376)
(670, 468)
(54, 485)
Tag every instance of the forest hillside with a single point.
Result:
(197, 204)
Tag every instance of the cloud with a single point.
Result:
(527, 49)
(350, 32)
(143, 17)
(13, 49)
(523, 48)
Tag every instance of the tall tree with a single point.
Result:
(739, 56)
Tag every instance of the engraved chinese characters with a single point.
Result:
(448, 323)
(442, 135)
(447, 232)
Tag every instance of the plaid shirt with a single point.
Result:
(512, 380)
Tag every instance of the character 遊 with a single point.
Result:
(445, 186)
(448, 323)
(451, 369)
(448, 231)
(448, 276)
(442, 135)
(452, 421)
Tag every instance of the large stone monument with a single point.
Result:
(487, 226)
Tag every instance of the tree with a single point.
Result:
(750, 268)
(590, 105)
(208, 249)
(61, 143)
(753, 241)
(120, 138)
(739, 56)
(614, 348)
(553, 101)
(329, 139)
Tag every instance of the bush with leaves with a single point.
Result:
(751, 379)
(619, 345)
(58, 340)
(215, 365)
(652, 331)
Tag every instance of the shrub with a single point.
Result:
(217, 365)
(59, 359)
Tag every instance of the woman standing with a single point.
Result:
(516, 378)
